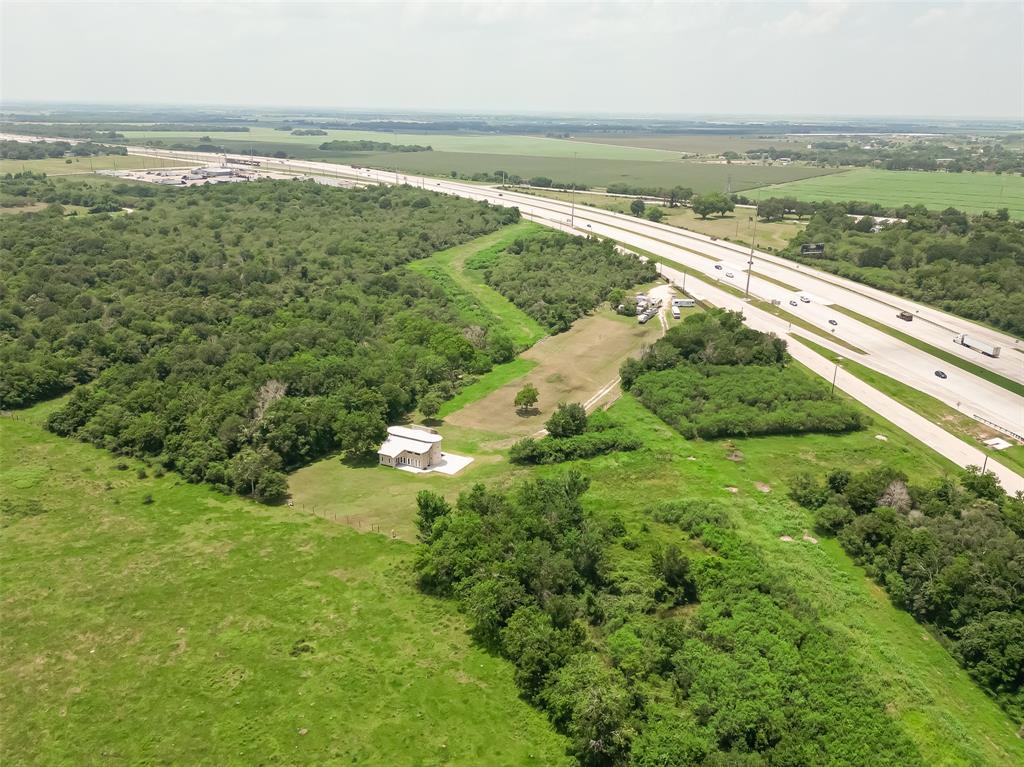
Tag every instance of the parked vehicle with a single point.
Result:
(676, 313)
(972, 342)
(907, 316)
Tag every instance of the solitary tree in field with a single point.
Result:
(637, 206)
(526, 397)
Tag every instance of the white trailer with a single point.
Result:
(971, 342)
(676, 314)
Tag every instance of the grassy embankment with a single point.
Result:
(205, 629)
(969, 192)
(982, 372)
(936, 411)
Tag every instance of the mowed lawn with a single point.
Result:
(970, 192)
(58, 166)
(203, 629)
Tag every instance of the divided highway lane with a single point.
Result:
(931, 325)
(888, 355)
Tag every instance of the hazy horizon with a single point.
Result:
(821, 60)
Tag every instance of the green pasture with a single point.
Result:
(149, 621)
(970, 192)
(58, 166)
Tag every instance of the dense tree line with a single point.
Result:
(372, 146)
(993, 155)
(674, 195)
(557, 278)
(234, 331)
(972, 266)
(950, 553)
(711, 376)
(41, 150)
(626, 675)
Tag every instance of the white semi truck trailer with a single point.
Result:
(972, 342)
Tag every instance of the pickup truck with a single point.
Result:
(907, 316)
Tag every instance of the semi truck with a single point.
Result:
(977, 344)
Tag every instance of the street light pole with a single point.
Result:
(834, 374)
(750, 261)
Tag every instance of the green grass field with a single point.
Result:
(477, 301)
(57, 166)
(203, 629)
(704, 144)
(970, 192)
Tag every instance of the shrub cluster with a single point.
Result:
(750, 677)
(711, 376)
(950, 553)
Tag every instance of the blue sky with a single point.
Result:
(962, 59)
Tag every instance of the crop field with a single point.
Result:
(527, 156)
(204, 629)
(58, 166)
(691, 143)
(970, 192)
(534, 146)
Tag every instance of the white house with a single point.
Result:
(414, 447)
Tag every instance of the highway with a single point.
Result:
(970, 394)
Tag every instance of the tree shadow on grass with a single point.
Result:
(361, 461)
(526, 412)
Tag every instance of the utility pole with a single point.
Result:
(750, 261)
(834, 374)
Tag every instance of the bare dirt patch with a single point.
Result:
(571, 367)
(764, 488)
(732, 489)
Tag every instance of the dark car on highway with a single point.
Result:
(940, 374)
(832, 322)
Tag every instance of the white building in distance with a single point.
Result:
(410, 447)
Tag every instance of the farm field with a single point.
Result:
(58, 166)
(690, 143)
(970, 192)
(562, 160)
(534, 146)
(206, 629)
